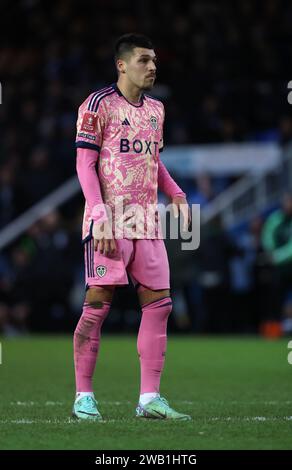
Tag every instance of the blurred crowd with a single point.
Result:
(236, 282)
(223, 72)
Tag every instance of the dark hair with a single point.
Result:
(126, 43)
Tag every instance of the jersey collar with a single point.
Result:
(138, 105)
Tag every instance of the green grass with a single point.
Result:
(238, 391)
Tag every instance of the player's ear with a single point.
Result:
(121, 66)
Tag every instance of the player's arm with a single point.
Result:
(85, 165)
(88, 143)
(170, 188)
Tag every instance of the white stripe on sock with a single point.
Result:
(84, 394)
(147, 397)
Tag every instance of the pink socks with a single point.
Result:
(151, 343)
(86, 343)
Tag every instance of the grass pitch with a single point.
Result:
(238, 391)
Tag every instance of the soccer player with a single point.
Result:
(119, 138)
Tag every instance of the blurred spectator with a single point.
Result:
(286, 323)
(220, 76)
(182, 270)
(19, 319)
(285, 127)
(4, 318)
(216, 250)
(277, 242)
(202, 192)
(251, 281)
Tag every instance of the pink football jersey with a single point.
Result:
(128, 138)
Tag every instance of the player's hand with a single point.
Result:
(103, 238)
(180, 204)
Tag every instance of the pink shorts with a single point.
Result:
(145, 261)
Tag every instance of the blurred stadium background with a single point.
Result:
(223, 76)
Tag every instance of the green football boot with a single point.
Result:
(158, 408)
(86, 408)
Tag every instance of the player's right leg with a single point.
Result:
(86, 347)
(102, 273)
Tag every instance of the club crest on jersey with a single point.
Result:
(154, 123)
(101, 270)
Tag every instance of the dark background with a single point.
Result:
(223, 71)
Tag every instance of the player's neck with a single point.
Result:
(130, 92)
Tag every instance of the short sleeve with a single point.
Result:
(90, 126)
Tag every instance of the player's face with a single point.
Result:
(141, 68)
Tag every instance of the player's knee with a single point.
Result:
(96, 296)
(168, 307)
(162, 306)
(147, 296)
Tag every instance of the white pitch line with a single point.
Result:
(58, 421)
(35, 403)
(251, 418)
(234, 402)
(60, 403)
(130, 420)
(180, 402)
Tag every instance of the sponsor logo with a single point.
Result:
(138, 146)
(88, 122)
(163, 415)
(86, 136)
(125, 122)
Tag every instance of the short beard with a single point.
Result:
(148, 88)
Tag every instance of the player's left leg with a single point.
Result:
(150, 268)
(152, 339)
